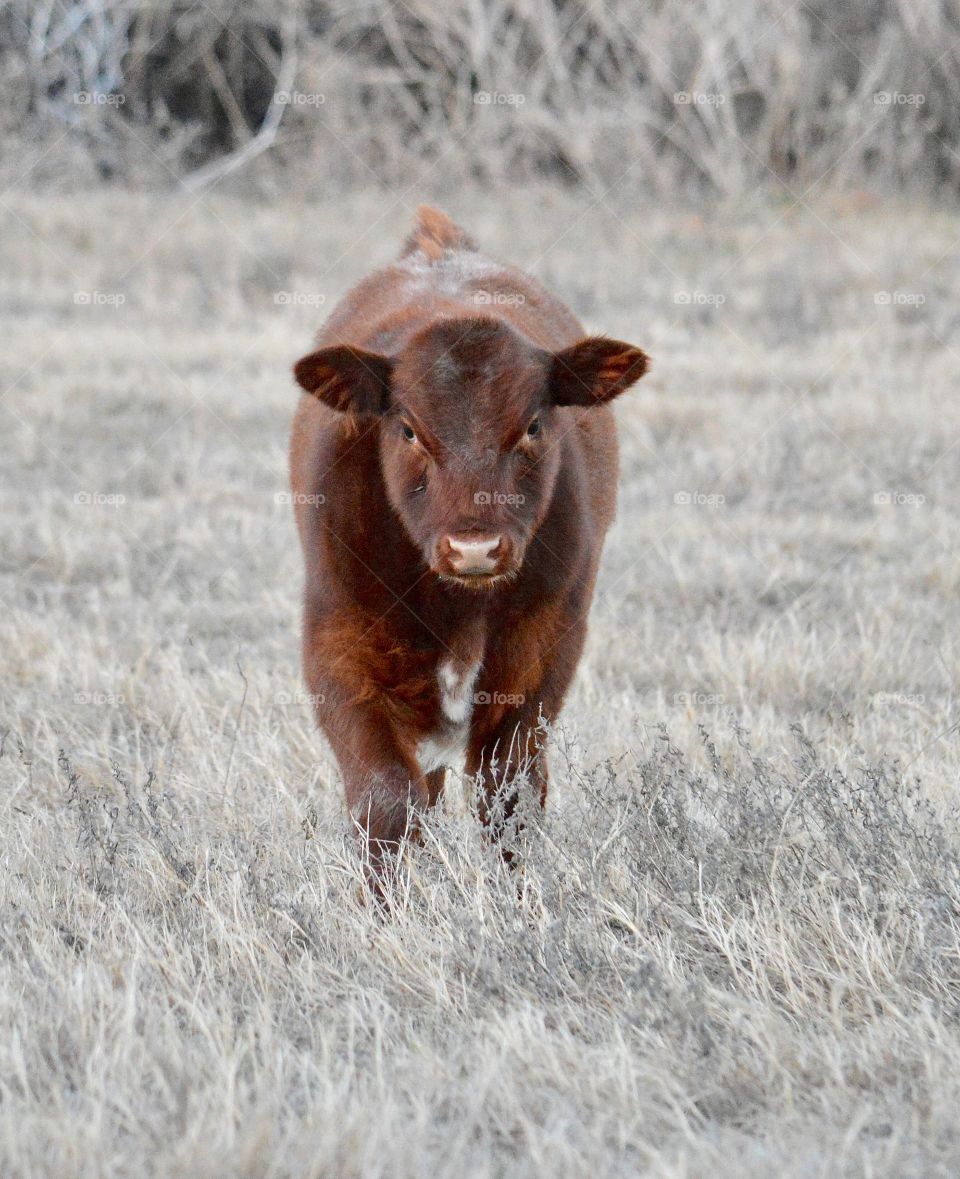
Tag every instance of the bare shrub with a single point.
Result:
(691, 93)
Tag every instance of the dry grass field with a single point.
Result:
(736, 948)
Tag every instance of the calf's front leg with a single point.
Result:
(507, 739)
(386, 789)
(500, 759)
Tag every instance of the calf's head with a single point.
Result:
(469, 434)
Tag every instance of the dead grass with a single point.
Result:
(735, 949)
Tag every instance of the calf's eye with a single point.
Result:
(408, 432)
(534, 428)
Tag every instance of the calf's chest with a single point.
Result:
(446, 743)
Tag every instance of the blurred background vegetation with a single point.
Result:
(700, 98)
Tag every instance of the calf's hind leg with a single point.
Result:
(508, 743)
(499, 762)
(434, 784)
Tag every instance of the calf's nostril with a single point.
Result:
(473, 556)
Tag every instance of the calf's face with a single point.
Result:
(469, 433)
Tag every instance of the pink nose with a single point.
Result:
(473, 556)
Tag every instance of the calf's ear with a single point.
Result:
(595, 371)
(348, 379)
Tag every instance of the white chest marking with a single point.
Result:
(448, 743)
(456, 689)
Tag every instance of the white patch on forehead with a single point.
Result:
(445, 369)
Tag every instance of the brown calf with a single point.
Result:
(454, 469)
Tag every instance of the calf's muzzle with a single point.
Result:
(472, 555)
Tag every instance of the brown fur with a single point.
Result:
(506, 402)
(434, 233)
